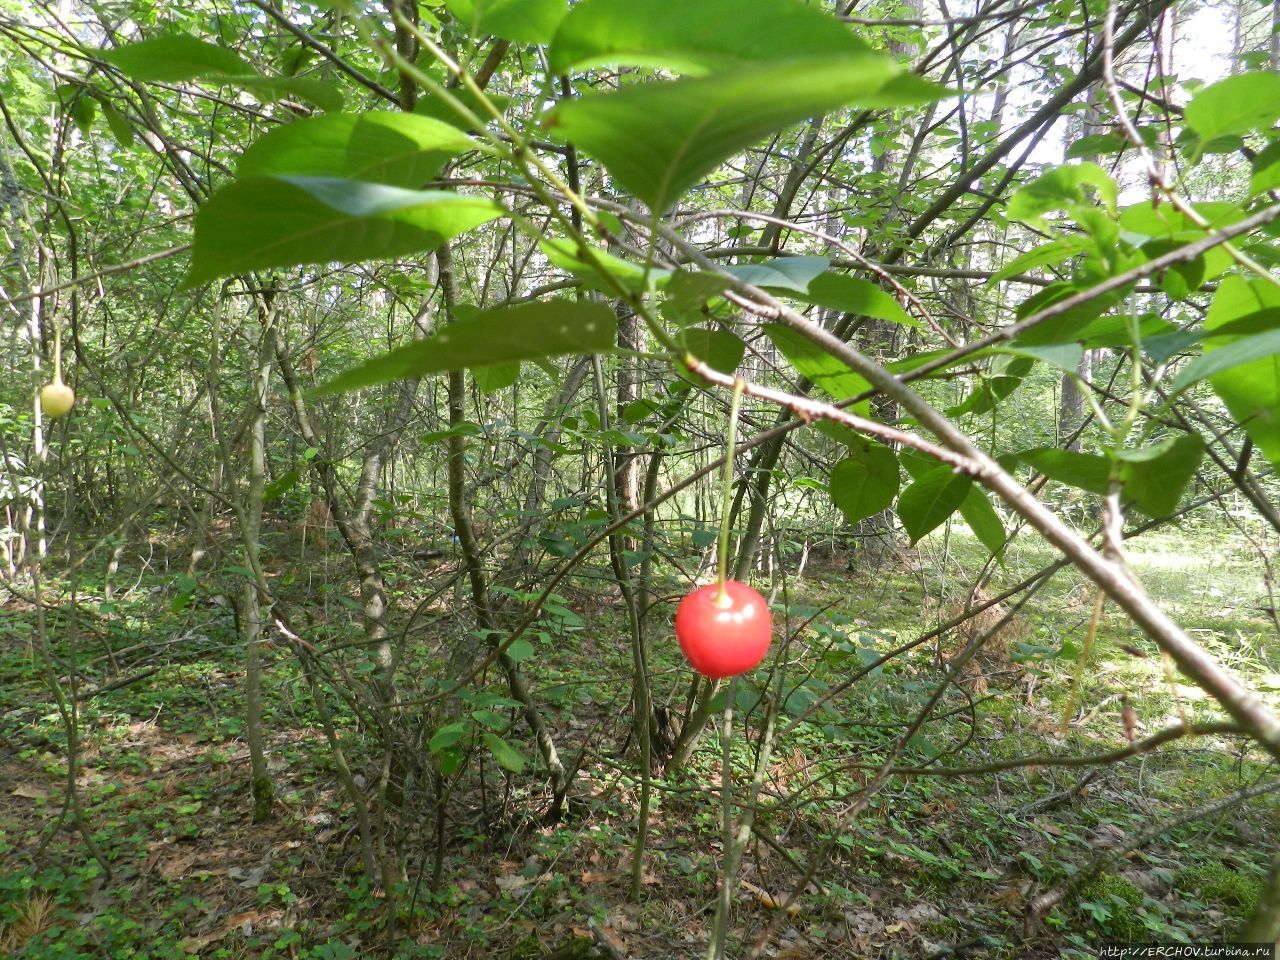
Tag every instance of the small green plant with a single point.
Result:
(1217, 882)
(1113, 904)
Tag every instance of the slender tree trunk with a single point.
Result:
(263, 791)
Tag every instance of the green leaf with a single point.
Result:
(526, 331)
(1047, 254)
(781, 273)
(260, 222)
(1251, 391)
(1234, 354)
(1006, 375)
(520, 650)
(930, 499)
(494, 721)
(1068, 324)
(695, 38)
(496, 377)
(719, 349)
(1247, 101)
(1154, 477)
(1266, 170)
(300, 88)
(175, 58)
(450, 760)
(1085, 471)
(524, 21)
(687, 291)
(865, 482)
(860, 297)
(659, 139)
(398, 149)
(1064, 356)
(281, 486)
(430, 105)
(1097, 145)
(447, 736)
(506, 755)
(121, 126)
(1061, 188)
(568, 255)
(813, 362)
(983, 519)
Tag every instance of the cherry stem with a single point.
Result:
(57, 354)
(726, 493)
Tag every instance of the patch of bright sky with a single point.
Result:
(1202, 52)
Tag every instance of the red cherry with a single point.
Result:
(724, 636)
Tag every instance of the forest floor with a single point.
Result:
(933, 867)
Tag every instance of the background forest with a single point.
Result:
(381, 377)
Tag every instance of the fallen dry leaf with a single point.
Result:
(29, 791)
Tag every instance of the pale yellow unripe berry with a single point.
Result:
(56, 399)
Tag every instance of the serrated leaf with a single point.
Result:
(929, 500)
(397, 149)
(506, 755)
(260, 222)
(865, 482)
(688, 127)
(175, 58)
(525, 331)
(695, 38)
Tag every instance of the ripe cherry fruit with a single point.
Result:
(56, 398)
(724, 635)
